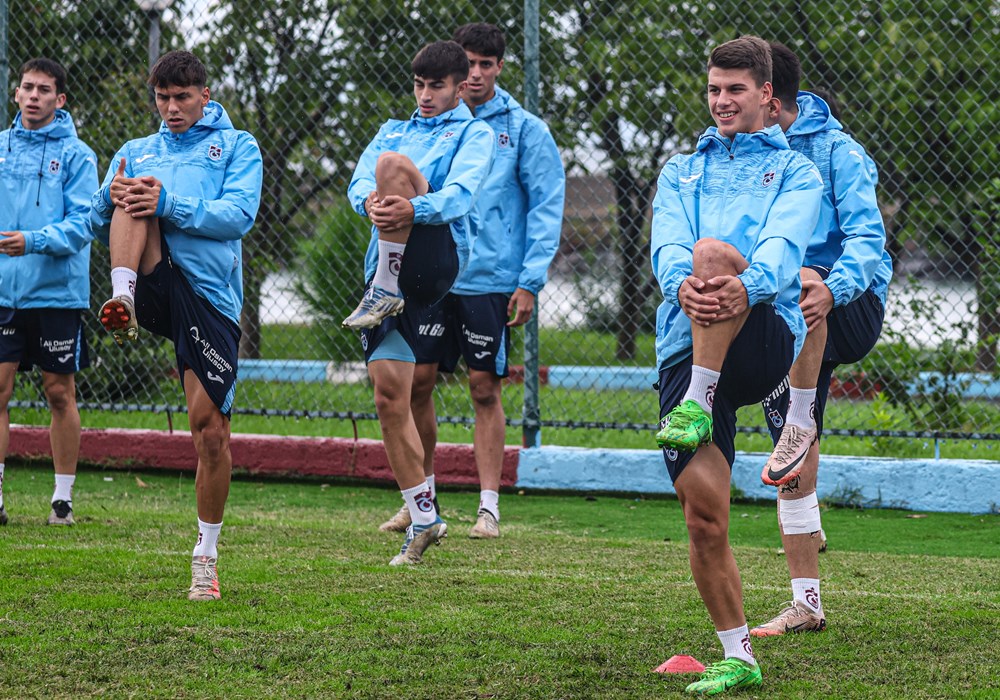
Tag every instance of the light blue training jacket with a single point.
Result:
(211, 177)
(520, 210)
(850, 237)
(454, 151)
(754, 193)
(47, 176)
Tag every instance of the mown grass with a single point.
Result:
(580, 598)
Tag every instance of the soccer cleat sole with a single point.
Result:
(117, 320)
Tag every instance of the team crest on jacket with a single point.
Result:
(54, 166)
(768, 178)
(503, 140)
(214, 152)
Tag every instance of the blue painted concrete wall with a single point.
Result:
(943, 485)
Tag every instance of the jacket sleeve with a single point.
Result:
(231, 216)
(469, 168)
(673, 235)
(363, 181)
(73, 233)
(776, 259)
(860, 221)
(543, 179)
(101, 207)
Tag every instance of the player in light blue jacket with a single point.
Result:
(47, 176)
(174, 207)
(844, 283)
(418, 182)
(731, 223)
(519, 217)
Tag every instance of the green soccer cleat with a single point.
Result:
(726, 675)
(687, 427)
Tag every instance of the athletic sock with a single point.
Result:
(490, 500)
(390, 258)
(806, 591)
(123, 282)
(64, 488)
(736, 643)
(430, 485)
(702, 387)
(421, 504)
(1, 484)
(208, 540)
(801, 407)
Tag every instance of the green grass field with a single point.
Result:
(580, 598)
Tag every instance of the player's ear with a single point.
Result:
(773, 108)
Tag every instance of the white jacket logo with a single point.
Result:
(215, 152)
(768, 178)
(54, 166)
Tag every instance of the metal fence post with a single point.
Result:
(531, 429)
(4, 63)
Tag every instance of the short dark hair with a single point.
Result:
(748, 51)
(441, 59)
(178, 68)
(482, 38)
(786, 73)
(51, 68)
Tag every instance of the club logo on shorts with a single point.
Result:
(395, 262)
(768, 178)
(774, 416)
(424, 502)
(215, 151)
(671, 454)
(364, 341)
(54, 166)
(503, 140)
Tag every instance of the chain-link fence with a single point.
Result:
(622, 91)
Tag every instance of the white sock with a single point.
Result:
(421, 504)
(736, 643)
(123, 282)
(702, 387)
(64, 488)
(806, 591)
(1, 484)
(801, 407)
(208, 540)
(390, 257)
(490, 500)
(430, 485)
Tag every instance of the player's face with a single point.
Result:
(483, 72)
(181, 107)
(437, 96)
(38, 99)
(737, 103)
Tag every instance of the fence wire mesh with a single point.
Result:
(622, 91)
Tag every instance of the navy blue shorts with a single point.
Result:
(757, 361)
(852, 332)
(205, 341)
(473, 327)
(428, 271)
(52, 339)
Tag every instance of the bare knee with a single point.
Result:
(61, 395)
(391, 404)
(485, 392)
(712, 257)
(706, 530)
(212, 440)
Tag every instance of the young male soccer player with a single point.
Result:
(844, 283)
(730, 227)
(520, 221)
(47, 176)
(418, 179)
(174, 206)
